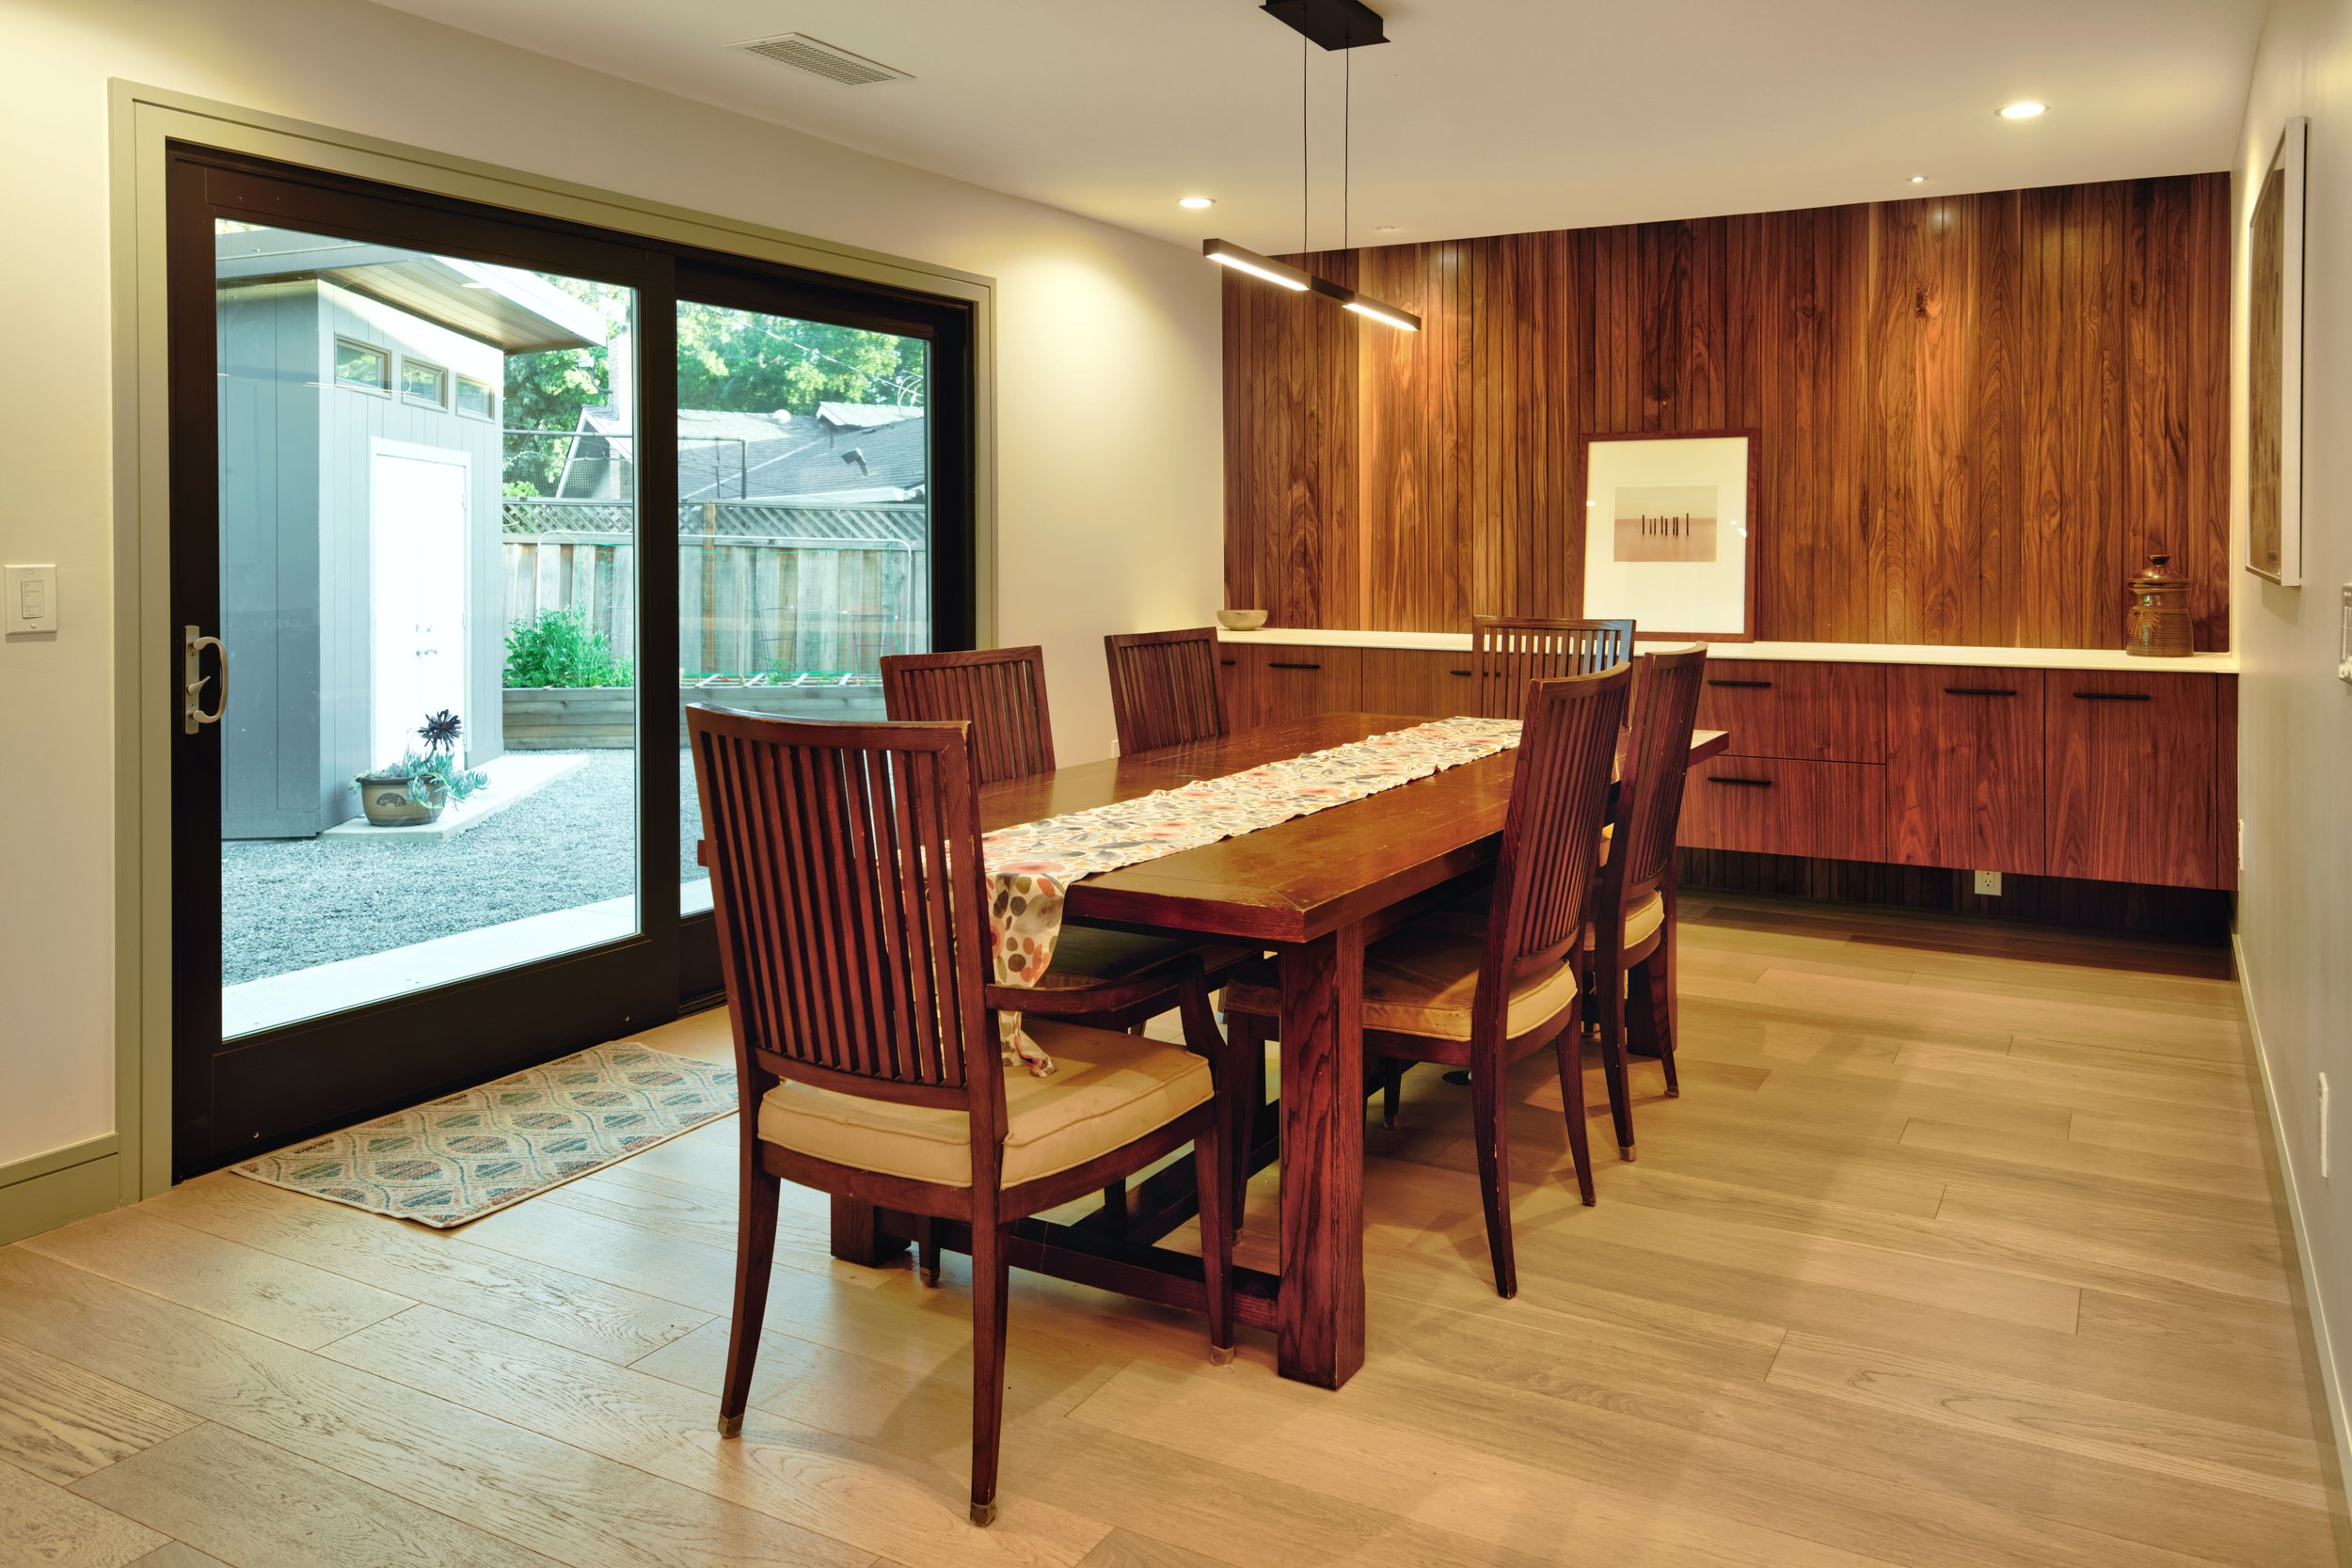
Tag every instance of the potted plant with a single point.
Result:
(414, 790)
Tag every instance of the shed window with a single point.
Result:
(359, 365)
(474, 398)
(424, 383)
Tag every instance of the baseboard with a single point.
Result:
(46, 1191)
(2331, 1383)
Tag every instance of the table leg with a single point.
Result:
(855, 1237)
(1321, 1319)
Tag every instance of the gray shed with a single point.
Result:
(360, 466)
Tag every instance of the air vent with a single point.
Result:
(819, 58)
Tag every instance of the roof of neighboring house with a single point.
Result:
(870, 451)
(518, 311)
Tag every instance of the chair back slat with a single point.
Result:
(1657, 765)
(1551, 833)
(1506, 654)
(999, 691)
(1164, 688)
(846, 879)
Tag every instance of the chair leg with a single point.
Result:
(990, 1277)
(1225, 1049)
(1665, 1003)
(754, 1256)
(927, 1250)
(1115, 1202)
(1491, 1132)
(1392, 1089)
(1569, 1047)
(1216, 1238)
(1613, 1054)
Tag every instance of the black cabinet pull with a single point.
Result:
(1758, 684)
(1734, 779)
(1277, 664)
(1457, 672)
(2112, 697)
(1980, 691)
(1229, 663)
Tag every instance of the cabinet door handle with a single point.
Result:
(1229, 663)
(1736, 778)
(1980, 691)
(1750, 683)
(1457, 672)
(2112, 697)
(1277, 664)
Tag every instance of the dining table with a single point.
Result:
(1311, 891)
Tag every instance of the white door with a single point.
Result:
(417, 553)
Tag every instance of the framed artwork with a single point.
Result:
(1670, 533)
(2274, 393)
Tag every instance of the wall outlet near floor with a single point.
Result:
(2322, 1126)
(1989, 883)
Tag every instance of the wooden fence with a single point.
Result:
(764, 588)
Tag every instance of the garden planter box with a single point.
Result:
(573, 718)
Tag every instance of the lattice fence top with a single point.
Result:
(885, 522)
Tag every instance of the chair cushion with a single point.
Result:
(1641, 923)
(1107, 1091)
(1420, 980)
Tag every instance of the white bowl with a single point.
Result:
(1241, 620)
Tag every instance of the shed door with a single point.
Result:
(416, 506)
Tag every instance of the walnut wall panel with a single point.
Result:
(1978, 413)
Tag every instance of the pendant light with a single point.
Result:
(1336, 24)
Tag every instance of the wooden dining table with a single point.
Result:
(1312, 890)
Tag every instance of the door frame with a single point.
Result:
(142, 122)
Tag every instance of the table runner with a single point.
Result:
(1032, 865)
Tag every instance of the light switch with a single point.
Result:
(32, 600)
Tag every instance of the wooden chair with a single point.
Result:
(1164, 690)
(1099, 976)
(1001, 691)
(1506, 654)
(1434, 992)
(845, 877)
(1631, 933)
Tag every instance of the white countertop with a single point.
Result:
(1826, 653)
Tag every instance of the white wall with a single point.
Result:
(2295, 718)
(1107, 384)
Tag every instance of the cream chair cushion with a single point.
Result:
(1641, 923)
(1107, 1090)
(1420, 980)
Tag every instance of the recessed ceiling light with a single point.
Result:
(1196, 202)
(2023, 111)
(1918, 179)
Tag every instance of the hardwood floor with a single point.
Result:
(1962, 1247)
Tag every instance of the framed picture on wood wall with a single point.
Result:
(2274, 394)
(1670, 533)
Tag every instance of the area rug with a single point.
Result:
(468, 1154)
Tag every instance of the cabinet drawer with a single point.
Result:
(1770, 805)
(1964, 777)
(1803, 712)
(2137, 767)
(1416, 681)
(1291, 683)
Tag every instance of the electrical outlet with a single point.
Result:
(2322, 1126)
(1989, 883)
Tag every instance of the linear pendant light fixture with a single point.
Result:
(1336, 24)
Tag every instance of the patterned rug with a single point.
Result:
(463, 1156)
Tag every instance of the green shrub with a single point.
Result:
(558, 648)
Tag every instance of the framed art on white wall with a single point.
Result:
(1670, 533)
(2274, 394)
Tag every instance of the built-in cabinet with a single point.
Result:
(2125, 776)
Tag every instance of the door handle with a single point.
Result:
(2111, 696)
(193, 680)
(1277, 664)
(1753, 686)
(1980, 691)
(1736, 778)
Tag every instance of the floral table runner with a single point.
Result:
(1032, 867)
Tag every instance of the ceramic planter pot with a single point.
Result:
(385, 799)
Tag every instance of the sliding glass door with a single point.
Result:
(441, 593)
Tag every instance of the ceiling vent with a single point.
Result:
(819, 58)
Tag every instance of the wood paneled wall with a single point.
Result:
(1979, 414)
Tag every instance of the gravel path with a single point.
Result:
(292, 904)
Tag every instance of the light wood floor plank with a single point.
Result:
(261, 1506)
(60, 1422)
(44, 1526)
(174, 1554)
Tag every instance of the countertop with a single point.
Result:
(1825, 653)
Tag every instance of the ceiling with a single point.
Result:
(1479, 116)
